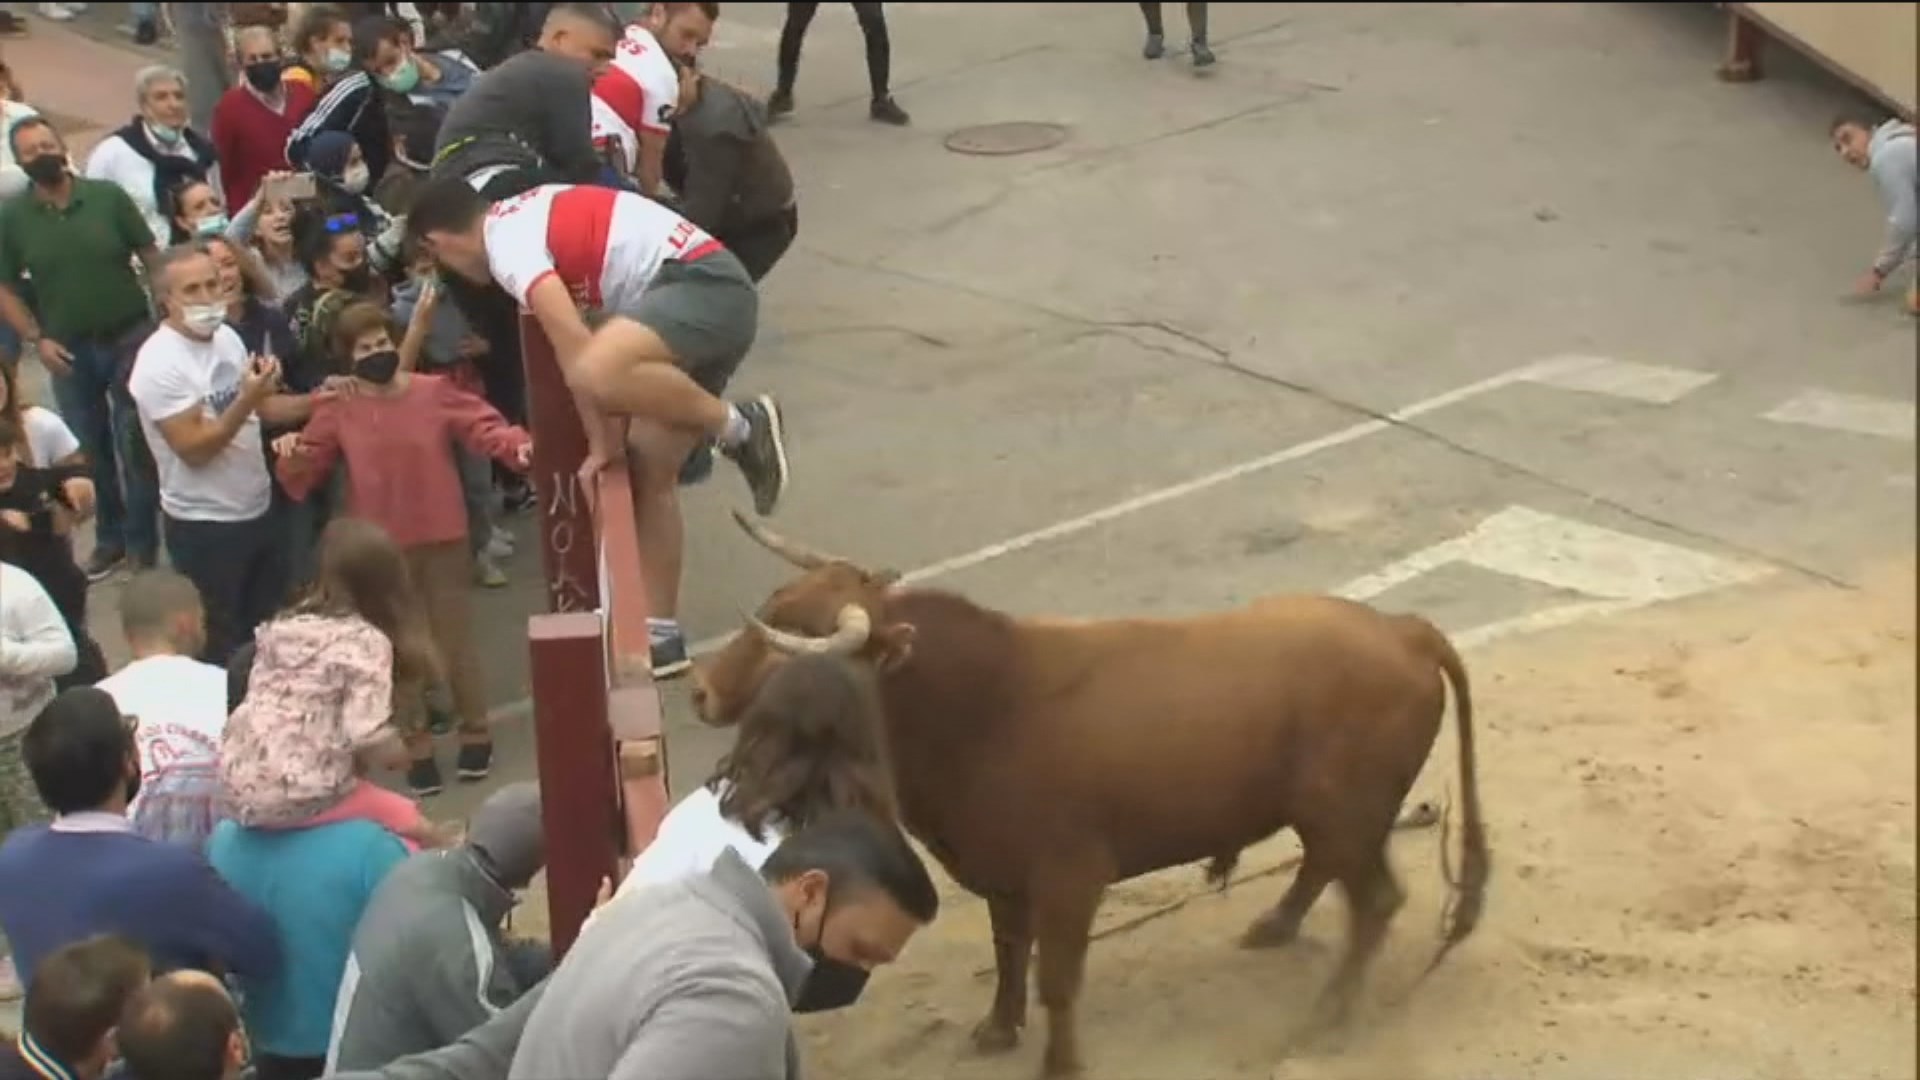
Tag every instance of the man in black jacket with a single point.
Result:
(733, 181)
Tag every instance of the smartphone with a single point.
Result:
(295, 188)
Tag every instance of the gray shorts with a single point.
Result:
(707, 311)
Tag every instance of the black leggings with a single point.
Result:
(873, 23)
(1196, 21)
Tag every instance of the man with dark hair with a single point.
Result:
(181, 703)
(183, 1026)
(682, 312)
(1887, 152)
(353, 105)
(700, 978)
(72, 1006)
(88, 873)
(635, 102)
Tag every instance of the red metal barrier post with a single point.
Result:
(602, 760)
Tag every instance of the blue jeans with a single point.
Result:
(102, 416)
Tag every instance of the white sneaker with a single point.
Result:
(10, 988)
(56, 13)
(500, 545)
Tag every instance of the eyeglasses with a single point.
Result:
(340, 223)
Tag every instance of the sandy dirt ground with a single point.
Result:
(1703, 832)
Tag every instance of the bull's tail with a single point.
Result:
(1470, 884)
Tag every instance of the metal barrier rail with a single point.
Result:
(596, 713)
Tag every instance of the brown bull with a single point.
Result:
(1041, 760)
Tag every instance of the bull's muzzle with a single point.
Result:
(850, 632)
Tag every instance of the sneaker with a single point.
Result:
(487, 573)
(888, 111)
(779, 103)
(146, 32)
(1156, 47)
(423, 778)
(669, 657)
(698, 466)
(763, 456)
(500, 544)
(517, 495)
(140, 564)
(10, 988)
(103, 562)
(475, 763)
(1202, 56)
(56, 13)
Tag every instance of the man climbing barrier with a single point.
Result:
(680, 314)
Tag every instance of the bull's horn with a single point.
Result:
(848, 635)
(800, 555)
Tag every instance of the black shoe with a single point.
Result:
(763, 456)
(476, 761)
(103, 562)
(1155, 48)
(779, 103)
(1202, 56)
(423, 778)
(669, 657)
(517, 495)
(146, 33)
(140, 564)
(698, 466)
(888, 111)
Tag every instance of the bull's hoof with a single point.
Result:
(994, 1037)
(1270, 932)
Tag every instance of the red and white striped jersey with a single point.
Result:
(605, 245)
(638, 93)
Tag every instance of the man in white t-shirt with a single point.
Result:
(681, 314)
(181, 703)
(200, 397)
(635, 100)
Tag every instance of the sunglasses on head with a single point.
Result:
(340, 223)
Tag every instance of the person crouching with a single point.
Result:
(396, 433)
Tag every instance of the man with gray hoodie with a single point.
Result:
(430, 962)
(1887, 153)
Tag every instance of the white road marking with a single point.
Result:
(1619, 571)
(1848, 412)
(1566, 554)
(1650, 383)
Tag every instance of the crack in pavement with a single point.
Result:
(1222, 358)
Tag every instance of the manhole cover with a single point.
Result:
(1018, 137)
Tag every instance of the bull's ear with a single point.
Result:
(883, 578)
(896, 646)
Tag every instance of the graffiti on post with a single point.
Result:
(567, 523)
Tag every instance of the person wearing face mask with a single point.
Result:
(429, 80)
(77, 238)
(88, 872)
(396, 433)
(201, 401)
(157, 150)
(254, 119)
(322, 43)
(430, 960)
(700, 978)
(354, 106)
(194, 212)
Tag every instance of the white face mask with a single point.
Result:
(203, 319)
(354, 179)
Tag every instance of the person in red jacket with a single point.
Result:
(252, 121)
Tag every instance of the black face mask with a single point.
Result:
(378, 367)
(832, 984)
(264, 76)
(45, 170)
(359, 279)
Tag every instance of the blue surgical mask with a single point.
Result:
(404, 78)
(338, 59)
(165, 134)
(210, 226)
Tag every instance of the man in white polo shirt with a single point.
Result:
(199, 396)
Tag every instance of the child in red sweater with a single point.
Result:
(396, 432)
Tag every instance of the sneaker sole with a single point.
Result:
(779, 433)
(673, 670)
(473, 775)
(426, 793)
